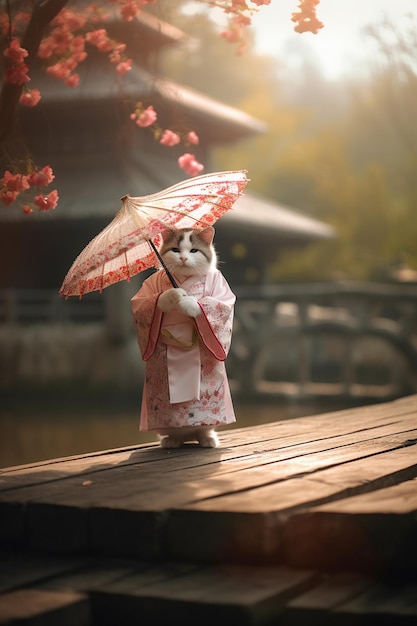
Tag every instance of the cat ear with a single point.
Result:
(167, 234)
(207, 235)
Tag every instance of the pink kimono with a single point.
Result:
(186, 382)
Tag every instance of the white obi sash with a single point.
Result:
(183, 360)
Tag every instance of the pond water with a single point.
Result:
(29, 435)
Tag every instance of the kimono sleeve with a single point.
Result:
(147, 317)
(215, 325)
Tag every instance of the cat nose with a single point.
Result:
(183, 259)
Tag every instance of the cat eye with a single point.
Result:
(175, 250)
(194, 250)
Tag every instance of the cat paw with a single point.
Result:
(169, 442)
(169, 299)
(210, 440)
(189, 306)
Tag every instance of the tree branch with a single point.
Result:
(43, 13)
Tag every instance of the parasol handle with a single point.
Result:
(162, 262)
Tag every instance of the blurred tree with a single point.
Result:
(357, 173)
(213, 69)
(384, 107)
(381, 127)
(317, 174)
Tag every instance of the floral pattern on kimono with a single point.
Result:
(185, 378)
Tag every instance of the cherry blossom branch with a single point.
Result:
(58, 35)
(43, 13)
(306, 18)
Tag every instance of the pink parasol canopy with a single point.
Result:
(128, 245)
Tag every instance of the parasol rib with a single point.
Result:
(127, 267)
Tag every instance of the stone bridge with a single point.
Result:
(357, 340)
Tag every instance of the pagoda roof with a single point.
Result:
(222, 122)
(93, 190)
(271, 220)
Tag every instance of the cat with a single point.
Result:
(194, 324)
(186, 252)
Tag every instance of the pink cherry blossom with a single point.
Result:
(59, 70)
(8, 197)
(124, 66)
(46, 48)
(30, 98)
(26, 208)
(189, 164)
(99, 39)
(129, 10)
(46, 203)
(116, 54)
(17, 74)
(14, 182)
(70, 19)
(15, 53)
(306, 18)
(192, 137)
(42, 177)
(62, 39)
(73, 80)
(78, 44)
(232, 35)
(147, 118)
(169, 138)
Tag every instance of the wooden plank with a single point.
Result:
(85, 515)
(102, 573)
(300, 430)
(147, 574)
(248, 524)
(209, 465)
(349, 600)
(396, 499)
(44, 608)
(226, 595)
(376, 532)
(318, 605)
(256, 485)
(391, 605)
(326, 479)
(18, 570)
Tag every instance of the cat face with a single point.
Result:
(188, 252)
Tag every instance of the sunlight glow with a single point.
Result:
(341, 47)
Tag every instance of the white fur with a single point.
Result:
(189, 306)
(177, 298)
(175, 437)
(169, 300)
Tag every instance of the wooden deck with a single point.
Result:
(308, 521)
